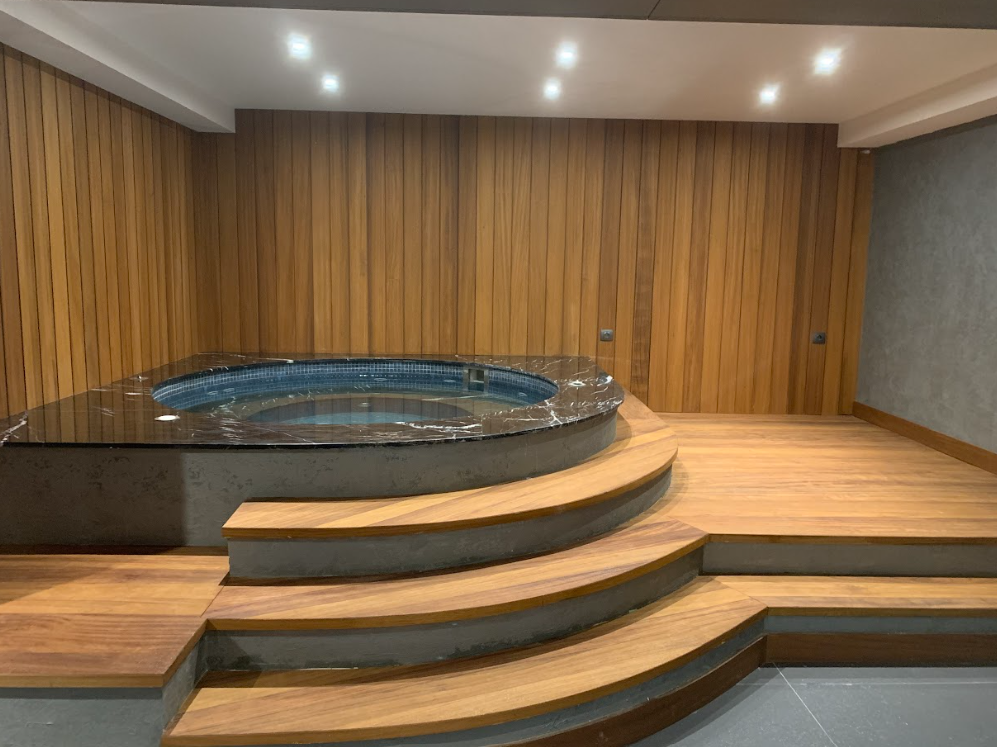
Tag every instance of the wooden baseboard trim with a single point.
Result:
(881, 649)
(966, 452)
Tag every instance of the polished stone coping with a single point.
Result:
(125, 414)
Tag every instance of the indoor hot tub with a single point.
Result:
(165, 457)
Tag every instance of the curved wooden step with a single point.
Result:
(440, 616)
(643, 450)
(645, 544)
(328, 706)
(358, 537)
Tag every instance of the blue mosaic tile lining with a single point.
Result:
(204, 387)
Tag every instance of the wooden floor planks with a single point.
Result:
(101, 620)
(837, 479)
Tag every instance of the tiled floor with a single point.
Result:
(846, 707)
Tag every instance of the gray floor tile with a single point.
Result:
(762, 711)
(905, 715)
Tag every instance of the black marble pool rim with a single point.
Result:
(124, 414)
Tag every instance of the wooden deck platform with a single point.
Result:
(834, 479)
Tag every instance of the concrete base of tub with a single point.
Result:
(96, 495)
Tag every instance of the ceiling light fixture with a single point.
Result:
(567, 55)
(330, 83)
(827, 61)
(552, 89)
(769, 94)
(299, 47)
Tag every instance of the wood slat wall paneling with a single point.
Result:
(95, 263)
(713, 250)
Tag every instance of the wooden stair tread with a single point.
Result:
(340, 705)
(644, 544)
(864, 595)
(76, 620)
(643, 450)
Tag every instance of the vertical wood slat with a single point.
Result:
(431, 239)
(557, 196)
(574, 226)
(682, 260)
(595, 176)
(449, 232)
(702, 197)
(539, 218)
(14, 383)
(609, 249)
(501, 202)
(626, 254)
(339, 211)
(321, 224)
(394, 219)
(356, 188)
(248, 258)
(519, 300)
(37, 189)
(751, 267)
(716, 265)
(647, 215)
(662, 267)
(711, 249)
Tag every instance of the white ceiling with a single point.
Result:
(210, 61)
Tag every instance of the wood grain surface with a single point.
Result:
(803, 479)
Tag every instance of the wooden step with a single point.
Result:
(647, 543)
(433, 617)
(644, 449)
(341, 705)
(857, 620)
(869, 596)
(293, 539)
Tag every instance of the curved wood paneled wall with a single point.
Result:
(714, 250)
(96, 252)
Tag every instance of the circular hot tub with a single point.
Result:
(365, 394)
(169, 454)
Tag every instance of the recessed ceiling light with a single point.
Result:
(567, 55)
(769, 95)
(330, 83)
(552, 89)
(299, 47)
(827, 61)
(167, 418)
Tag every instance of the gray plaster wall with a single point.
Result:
(929, 335)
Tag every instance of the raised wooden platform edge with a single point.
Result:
(961, 450)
